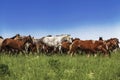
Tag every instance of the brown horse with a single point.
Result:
(112, 44)
(88, 46)
(16, 45)
(65, 47)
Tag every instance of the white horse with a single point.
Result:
(56, 41)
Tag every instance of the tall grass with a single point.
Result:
(61, 67)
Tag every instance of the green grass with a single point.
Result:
(61, 67)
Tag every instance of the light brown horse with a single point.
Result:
(36, 48)
(1, 40)
(16, 45)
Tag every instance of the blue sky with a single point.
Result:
(86, 19)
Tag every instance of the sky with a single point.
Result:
(85, 19)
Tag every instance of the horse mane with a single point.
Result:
(49, 35)
(57, 35)
(100, 38)
(62, 35)
(1, 37)
(15, 36)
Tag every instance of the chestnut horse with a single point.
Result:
(88, 46)
(16, 45)
(65, 47)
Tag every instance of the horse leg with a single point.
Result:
(0, 49)
(106, 52)
(88, 53)
(23, 52)
(26, 50)
(54, 50)
(38, 51)
(60, 49)
(94, 52)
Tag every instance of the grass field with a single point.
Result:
(60, 67)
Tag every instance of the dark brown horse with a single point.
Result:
(16, 45)
(112, 44)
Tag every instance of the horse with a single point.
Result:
(113, 44)
(16, 45)
(1, 40)
(55, 41)
(88, 46)
(65, 46)
(37, 46)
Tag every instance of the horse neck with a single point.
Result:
(1, 39)
(109, 44)
(65, 39)
(24, 41)
(13, 37)
(16, 38)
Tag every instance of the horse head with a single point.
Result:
(18, 35)
(28, 39)
(116, 41)
(113, 43)
(67, 38)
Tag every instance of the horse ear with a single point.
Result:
(17, 34)
(29, 35)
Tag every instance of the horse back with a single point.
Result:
(12, 43)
